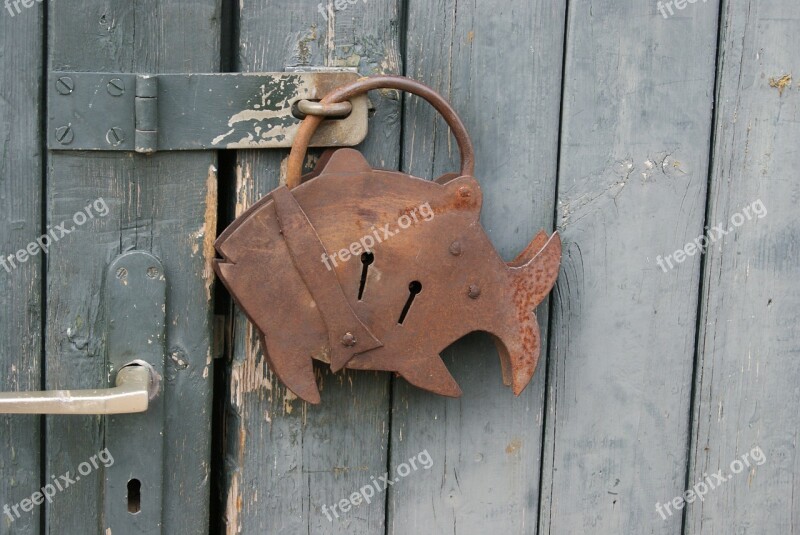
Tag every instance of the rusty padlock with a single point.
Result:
(379, 270)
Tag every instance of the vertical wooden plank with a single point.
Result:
(747, 395)
(21, 44)
(499, 63)
(284, 459)
(164, 204)
(636, 124)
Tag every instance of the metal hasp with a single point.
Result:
(379, 270)
(150, 113)
(135, 303)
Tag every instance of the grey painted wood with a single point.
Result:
(632, 183)
(166, 205)
(285, 459)
(747, 395)
(20, 287)
(499, 63)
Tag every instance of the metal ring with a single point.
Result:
(338, 109)
(359, 87)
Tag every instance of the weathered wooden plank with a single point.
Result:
(165, 204)
(284, 459)
(21, 36)
(636, 124)
(747, 395)
(500, 64)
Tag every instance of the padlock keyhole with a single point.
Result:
(413, 289)
(366, 259)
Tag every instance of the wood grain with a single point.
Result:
(284, 459)
(499, 64)
(164, 204)
(747, 394)
(635, 140)
(21, 184)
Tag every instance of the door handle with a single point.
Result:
(136, 384)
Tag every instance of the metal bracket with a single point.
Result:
(165, 112)
(135, 301)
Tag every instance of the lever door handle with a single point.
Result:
(136, 384)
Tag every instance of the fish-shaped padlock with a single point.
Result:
(378, 270)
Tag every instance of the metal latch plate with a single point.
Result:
(136, 300)
(150, 113)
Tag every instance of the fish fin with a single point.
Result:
(345, 160)
(519, 352)
(430, 373)
(295, 372)
(531, 250)
(517, 337)
(534, 279)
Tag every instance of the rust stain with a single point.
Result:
(514, 446)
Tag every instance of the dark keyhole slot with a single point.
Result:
(134, 496)
(413, 289)
(367, 259)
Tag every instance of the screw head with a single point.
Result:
(464, 192)
(116, 87)
(455, 248)
(64, 134)
(65, 85)
(349, 340)
(474, 291)
(115, 136)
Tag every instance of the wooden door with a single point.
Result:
(665, 400)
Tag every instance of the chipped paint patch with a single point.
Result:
(244, 187)
(252, 373)
(781, 84)
(206, 234)
(233, 507)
